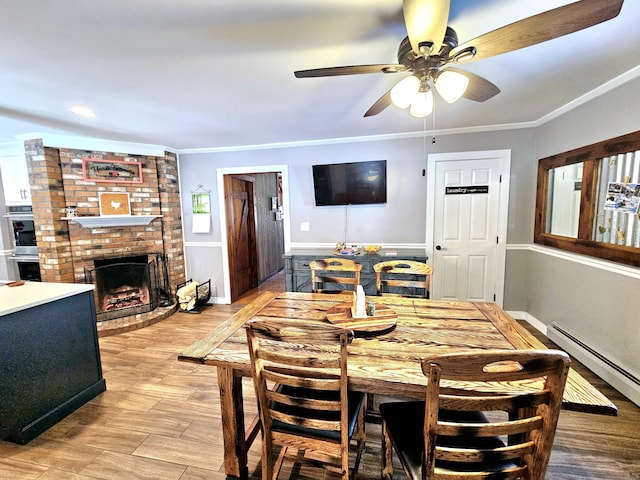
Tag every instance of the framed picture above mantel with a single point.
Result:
(111, 171)
(112, 203)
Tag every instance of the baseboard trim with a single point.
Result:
(589, 359)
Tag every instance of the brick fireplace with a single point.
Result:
(66, 249)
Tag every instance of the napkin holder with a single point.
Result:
(359, 308)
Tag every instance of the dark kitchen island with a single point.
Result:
(49, 356)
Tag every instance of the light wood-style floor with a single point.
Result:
(160, 420)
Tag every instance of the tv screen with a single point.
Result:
(354, 183)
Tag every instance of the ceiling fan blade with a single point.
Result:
(542, 27)
(479, 89)
(426, 21)
(383, 102)
(349, 70)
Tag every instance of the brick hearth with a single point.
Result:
(134, 322)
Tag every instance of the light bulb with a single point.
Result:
(422, 105)
(403, 93)
(451, 85)
(82, 111)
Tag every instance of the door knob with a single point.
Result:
(438, 247)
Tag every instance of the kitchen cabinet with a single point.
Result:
(50, 356)
(15, 180)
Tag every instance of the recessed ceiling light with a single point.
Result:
(83, 111)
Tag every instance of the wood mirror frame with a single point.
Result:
(584, 244)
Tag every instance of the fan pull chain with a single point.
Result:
(424, 142)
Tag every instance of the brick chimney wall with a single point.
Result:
(65, 248)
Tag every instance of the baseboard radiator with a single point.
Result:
(618, 377)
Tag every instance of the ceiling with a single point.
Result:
(191, 74)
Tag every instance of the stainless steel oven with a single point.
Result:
(23, 229)
(20, 218)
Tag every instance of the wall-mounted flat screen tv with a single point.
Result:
(356, 183)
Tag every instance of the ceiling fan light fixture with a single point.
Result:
(422, 104)
(426, 21)
(403, 93)
(451, 85)
(82, 111)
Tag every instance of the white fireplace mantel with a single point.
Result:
(113, 220)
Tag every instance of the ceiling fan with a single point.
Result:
(431, 48)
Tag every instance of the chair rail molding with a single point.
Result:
(613, 267)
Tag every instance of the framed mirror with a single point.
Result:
(563, 204)
(588, 200)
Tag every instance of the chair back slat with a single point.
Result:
(302, 379)
(490, 429)
(487, 456)
(293, 400)
(506, 403)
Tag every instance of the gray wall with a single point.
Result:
(598, 303)
(402, 221)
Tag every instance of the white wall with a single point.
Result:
(8, 268)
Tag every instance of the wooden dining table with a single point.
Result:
(384, 361)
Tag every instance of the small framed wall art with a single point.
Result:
(112, 203)
(113, 171)
(201, 203)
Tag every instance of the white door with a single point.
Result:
(468, 209)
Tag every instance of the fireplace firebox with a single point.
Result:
(126, 285)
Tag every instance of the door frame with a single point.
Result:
(503, 205)
(220, 173)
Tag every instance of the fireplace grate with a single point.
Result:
(126, 286)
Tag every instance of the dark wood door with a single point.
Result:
(241, 234)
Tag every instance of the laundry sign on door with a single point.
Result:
(468, 190)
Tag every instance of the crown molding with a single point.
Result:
(94, 144)
(612, 84)
(367, 138)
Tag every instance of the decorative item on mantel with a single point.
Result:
(115, 211)
(114, 203)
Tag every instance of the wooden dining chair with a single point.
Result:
(405, 277)
(336, 273)
(300, 378)
(493, 432)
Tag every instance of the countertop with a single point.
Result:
(31, 294)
